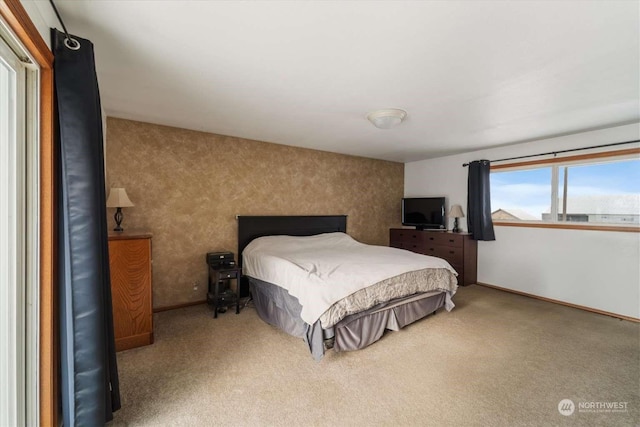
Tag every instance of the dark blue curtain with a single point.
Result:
(479, 220)
(88, 370)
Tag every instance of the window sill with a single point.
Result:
(574, 226)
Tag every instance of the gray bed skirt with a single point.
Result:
(278, 308)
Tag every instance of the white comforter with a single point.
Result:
(321, 270)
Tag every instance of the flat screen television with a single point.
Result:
(424, 212)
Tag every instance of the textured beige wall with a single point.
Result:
(187, 188)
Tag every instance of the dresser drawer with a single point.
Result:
(396, 244)
(444, 239)
(406, 239)
(231, 274)
(408, 236)
(451, 254)
(410, 246)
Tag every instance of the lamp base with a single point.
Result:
(118, 217)
(455, 226)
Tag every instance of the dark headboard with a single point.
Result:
(252, 227)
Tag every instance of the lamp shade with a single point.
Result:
(456, 212)
(386, 119)
(118, 199)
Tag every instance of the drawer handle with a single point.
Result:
(431, 249)
(451, 252)
(451, 240)
(414, 246)
(430, 238)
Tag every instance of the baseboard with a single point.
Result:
(134, 341)
(568, 304)
(183, 305)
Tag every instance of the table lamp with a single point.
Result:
(456, 212)
(118, 199)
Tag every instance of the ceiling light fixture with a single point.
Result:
(386, 119)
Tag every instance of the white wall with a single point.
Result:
(596, 269)
(42, 16)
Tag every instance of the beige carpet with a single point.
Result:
(497, 359)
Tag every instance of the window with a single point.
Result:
(520, 194)
(599, 189)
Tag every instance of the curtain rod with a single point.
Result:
(561, 151)
(69, 41)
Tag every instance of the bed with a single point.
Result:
(310, 279)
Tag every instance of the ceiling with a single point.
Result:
(469, 74)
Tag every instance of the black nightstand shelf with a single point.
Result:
(219, 292)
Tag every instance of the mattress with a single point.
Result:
(333, 276)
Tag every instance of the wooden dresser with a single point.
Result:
(457, 248)
(130, 263)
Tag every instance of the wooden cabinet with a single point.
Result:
(131, 291)
(457, 248)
